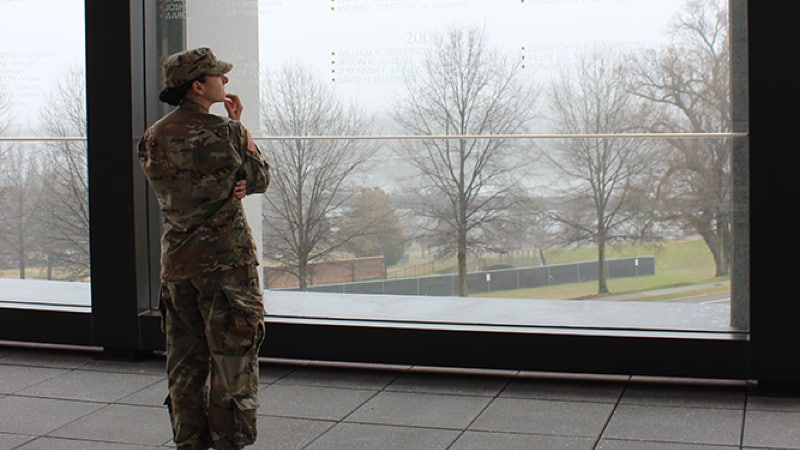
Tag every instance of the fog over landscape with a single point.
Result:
(373, 44)
(39, 41)
(367, 50)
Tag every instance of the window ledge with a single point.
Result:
(706, 318)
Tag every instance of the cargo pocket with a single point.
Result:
(241, 334)
(245, 327)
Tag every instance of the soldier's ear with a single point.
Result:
(198, 87)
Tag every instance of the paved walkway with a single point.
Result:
(689, 294)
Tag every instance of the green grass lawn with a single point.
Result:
(678, 263)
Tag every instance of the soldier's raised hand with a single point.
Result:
(234, 106)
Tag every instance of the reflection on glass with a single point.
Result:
(571, 151)
(44, 205)
(545, 149)
(44, 223)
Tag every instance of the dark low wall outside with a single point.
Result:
(497, 280)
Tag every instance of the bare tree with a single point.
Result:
(690, 81)
(601, 174)
(311, 177)
(5, 113)
(5, 120)
(464, 87)
(528, 223)
(5, 123)
(7, 255)
(64, 213)
(20, 195)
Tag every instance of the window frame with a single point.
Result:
(123, 232)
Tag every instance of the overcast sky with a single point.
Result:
(39, 40)
(369, 42)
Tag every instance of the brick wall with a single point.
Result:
(346, 271)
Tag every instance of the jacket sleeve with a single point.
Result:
(255, 168)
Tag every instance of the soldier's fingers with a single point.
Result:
(233, 100)
(240, 189)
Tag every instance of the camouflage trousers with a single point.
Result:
(214, 326)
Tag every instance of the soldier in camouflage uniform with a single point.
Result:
(200, 166)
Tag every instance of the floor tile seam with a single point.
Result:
(681, 407)
(76, 439)
(32, 438)
(123, 372)
(120, 400)
(394, 379)
(694, 442)
(346, 387)
(557, 400)
(744, 420)
(74, 420)
(45, 365)
(61, 374)
(64, 372)
(28, 438)
(331, 425)
(443, 394)
(709, 445)
(744, 426)
(303, 418)
(335, 422)
(89, 363)
(669, 440)
(791, 408)
(522, 433)
(483, 410)
(280, 377)
(758, 447)
(11, 433)
(36, 365)
(117, 372)
(773, 410)
(613, 411)
(144, 405)
(62, 399)
(360, 405)
(325, 386)
(686, 406)
(434, 392)
(50, 434)
(82, 400)
(342, 420)
(30, 386)
(400, 425)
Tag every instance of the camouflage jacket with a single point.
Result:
(191, 158)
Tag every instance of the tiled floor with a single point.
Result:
(56, 398)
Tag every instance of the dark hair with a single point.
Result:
(174, 95)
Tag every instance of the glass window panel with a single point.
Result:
(559, 162)
(44, 237)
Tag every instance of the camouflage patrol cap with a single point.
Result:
(187, 65)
